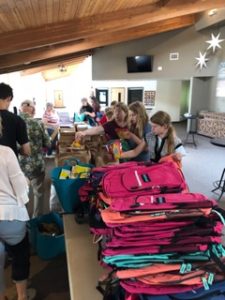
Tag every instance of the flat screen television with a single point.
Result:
(139, 63)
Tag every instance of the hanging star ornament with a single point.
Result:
(202, 59)
(214, 43)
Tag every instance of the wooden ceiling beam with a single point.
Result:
(28, 59)
(15, 41)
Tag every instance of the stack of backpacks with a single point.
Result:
(157, 240)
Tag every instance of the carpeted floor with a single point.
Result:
(202, 166)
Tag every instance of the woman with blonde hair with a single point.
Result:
(139, 127)
(139, 120)
(162, 140)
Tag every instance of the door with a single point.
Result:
(102, 96)
(135, 94)
(118, 94)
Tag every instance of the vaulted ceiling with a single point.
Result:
(43, 33)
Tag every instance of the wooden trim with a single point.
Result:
(103, 23)
(38, 57)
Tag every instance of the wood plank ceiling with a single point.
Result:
(47, 32)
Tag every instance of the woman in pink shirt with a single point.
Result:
(51, 121)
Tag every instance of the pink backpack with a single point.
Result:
(154, 229)
(138, 180)
(161, 202)
(113, 218)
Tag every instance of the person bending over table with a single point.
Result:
(113, 129)
(162, 141)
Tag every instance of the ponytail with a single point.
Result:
(170, 139)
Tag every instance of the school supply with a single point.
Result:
(67, 190)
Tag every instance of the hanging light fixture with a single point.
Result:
(62, 68)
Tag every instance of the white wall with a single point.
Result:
(74, 87)
(199, 94)
(150, 85)
(109, 63)
(217, 101)
(168, 98)
(26, 87)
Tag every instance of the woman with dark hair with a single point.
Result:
(97, 108)
(95, 104)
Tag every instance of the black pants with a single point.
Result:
(20, 254)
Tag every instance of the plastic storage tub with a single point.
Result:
(47, 246)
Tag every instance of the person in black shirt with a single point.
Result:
(86, 108)
(14, 129)
(88, 112)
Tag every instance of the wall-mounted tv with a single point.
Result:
(139, 63)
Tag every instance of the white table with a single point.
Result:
(83, 267)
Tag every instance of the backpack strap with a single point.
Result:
(158, 149)
(215, 257)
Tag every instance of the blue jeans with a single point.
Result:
(14, 238)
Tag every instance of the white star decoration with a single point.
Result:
(202, 59)
(214, 42)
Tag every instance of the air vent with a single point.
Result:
(174, 56)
